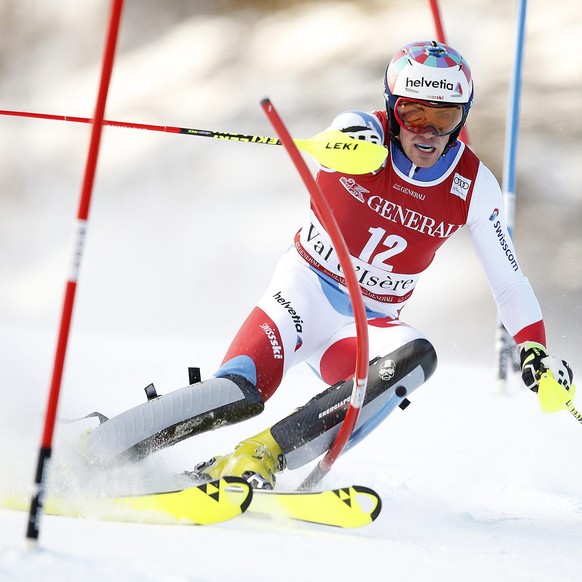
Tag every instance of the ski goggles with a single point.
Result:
(418, 116)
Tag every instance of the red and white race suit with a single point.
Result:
(393, 221)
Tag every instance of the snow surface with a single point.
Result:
(476, 484)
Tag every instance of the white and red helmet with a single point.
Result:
(428, 71)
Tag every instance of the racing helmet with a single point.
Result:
(428, 72)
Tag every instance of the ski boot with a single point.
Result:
(255, 459)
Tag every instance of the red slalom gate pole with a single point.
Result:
(37, 502)
(361, 321)
(440, 33)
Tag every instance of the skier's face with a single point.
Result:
(423, 149)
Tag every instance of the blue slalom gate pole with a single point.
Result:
(507, 354)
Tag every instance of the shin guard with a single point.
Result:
(166, 420)
(308, 432)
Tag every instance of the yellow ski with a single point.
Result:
(206, 503)
(215, 502)
(348, 507)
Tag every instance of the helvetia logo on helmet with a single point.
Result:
(422, 82)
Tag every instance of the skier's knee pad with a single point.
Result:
(168, 419)
(309, 432)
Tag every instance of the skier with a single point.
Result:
(393, 220)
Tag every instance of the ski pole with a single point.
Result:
(570, 407)
(507, 354)
(440, 34)
(38, 497)
(330, 148)
(362, 352)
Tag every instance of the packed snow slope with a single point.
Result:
(184, 233)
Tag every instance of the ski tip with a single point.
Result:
(375, 510)
(243, 485)
(347, 507)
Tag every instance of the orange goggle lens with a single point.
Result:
(418, 116)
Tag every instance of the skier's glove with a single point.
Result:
(535, 361)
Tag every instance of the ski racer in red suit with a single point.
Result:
(393, 220)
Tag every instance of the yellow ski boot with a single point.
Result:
(255, 459)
